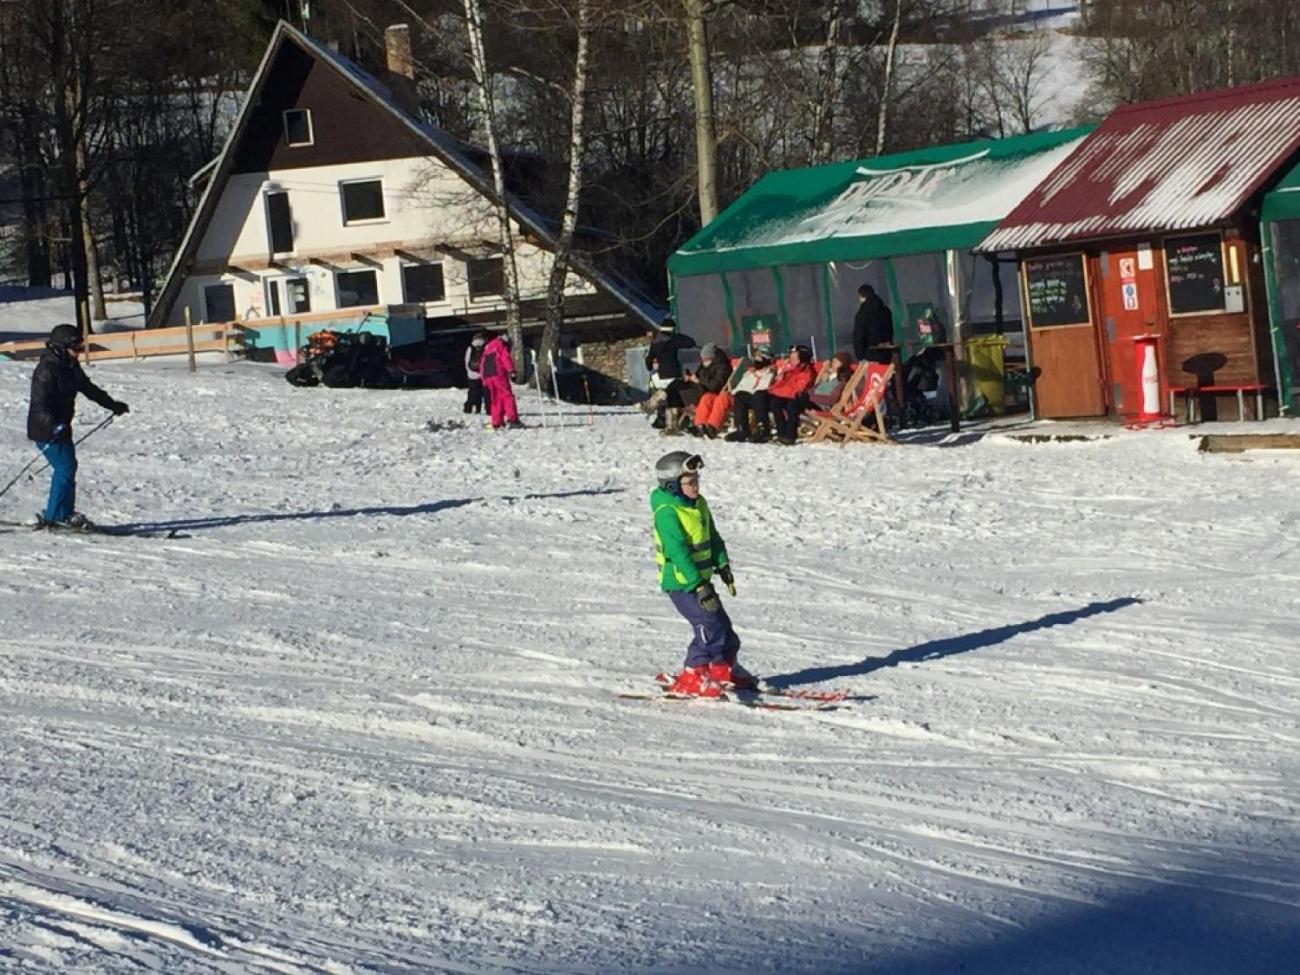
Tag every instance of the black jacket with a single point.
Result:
(873, 325)
(714, 377)
(662, 357)
(55, 384)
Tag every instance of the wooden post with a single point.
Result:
(954, 401)
(225, 341)
(189, 338)
(85, 332)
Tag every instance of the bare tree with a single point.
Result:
(555, 287)
(887, 85)
(697, 46)
(483, 85)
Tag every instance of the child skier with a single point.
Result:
(55, 384)
(688, 550)
(475, 394)
(496, 368)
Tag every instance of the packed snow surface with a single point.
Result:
(361, 713)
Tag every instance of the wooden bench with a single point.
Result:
(1194, 393)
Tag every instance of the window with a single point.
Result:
(297, 292)
(486, 277)
(363, 199)
(357, 288)
(423, 282)
(297, 127)
(279, 222)
(288, 296)
(219, 302)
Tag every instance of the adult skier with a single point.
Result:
(688, 550)
(55, 384)
(497, 368)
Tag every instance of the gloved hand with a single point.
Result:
(728, 579)
(59, 430)
(119, 408)
(708, 597)
(514, 378)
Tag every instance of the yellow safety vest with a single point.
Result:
(697, 524)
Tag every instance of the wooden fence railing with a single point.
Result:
(223, 337)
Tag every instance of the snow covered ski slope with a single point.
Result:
(364, 716)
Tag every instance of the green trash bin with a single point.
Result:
(984, 354)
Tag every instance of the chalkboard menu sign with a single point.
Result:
(1058, 291)
(1195, 271)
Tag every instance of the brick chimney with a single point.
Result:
(401, 68)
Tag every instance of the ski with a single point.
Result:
(119, 531)
(744, 699)
(763, 688)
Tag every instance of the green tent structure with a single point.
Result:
(783, 263)
(1280, 233)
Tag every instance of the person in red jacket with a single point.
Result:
(788, 394)
(497, 366)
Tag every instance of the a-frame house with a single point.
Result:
(330, 192)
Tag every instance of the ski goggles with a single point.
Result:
(693, 463)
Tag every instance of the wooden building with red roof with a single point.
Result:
(1147, 235)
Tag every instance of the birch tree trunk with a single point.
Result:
(706, 141)
(828, 87)
(887, 87)
(483, 84)
(550, 346)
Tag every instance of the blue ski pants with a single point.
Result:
(712, 636)
(62, 456)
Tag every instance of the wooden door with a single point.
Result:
(1056, 296)
(1129, 300)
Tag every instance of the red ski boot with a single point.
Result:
(732, 675)
(695, 682)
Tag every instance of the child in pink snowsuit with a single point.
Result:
(496, 367)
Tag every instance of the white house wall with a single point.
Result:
(425, 205)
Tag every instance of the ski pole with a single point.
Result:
(555, 386)
(537, 377)
(85, 436)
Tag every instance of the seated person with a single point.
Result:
(664, 362)
(713, 377)
(749, 392)
(830, 384)
(788, 394)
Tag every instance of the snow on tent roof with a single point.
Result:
(1284, 202)
(1174, 164)
(941, 198)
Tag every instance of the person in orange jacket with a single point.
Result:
(788, 394)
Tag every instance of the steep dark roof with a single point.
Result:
(454, 154)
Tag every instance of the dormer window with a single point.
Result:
(297, 127)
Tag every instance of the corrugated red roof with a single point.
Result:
(1174, 164)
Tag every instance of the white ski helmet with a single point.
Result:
(670, 467)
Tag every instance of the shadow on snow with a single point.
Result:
(396, 511)
(949, 646)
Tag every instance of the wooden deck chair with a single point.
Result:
(862, 399)
(815, 423)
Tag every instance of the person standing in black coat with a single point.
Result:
(873, 328)
(55, 384)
